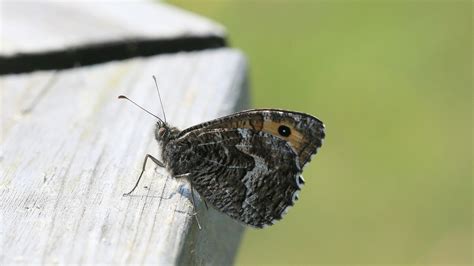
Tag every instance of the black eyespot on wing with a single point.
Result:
(284, 131)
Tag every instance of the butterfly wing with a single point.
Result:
(248, 164)
(306, 131)
(249, 175)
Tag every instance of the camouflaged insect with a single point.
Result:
(247, 165)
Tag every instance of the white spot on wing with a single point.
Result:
(259, 170)
(285, 211)
(299, 181)
(295, 196)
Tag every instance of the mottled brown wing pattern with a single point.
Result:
(307, 132)
(247, 165)
(250, 175)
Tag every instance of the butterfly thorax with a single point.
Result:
(177, 153)
(164, 132)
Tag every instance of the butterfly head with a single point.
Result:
(164, 132)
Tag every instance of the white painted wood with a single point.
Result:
(41, 26)
(70, 149)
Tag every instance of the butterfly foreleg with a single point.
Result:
(156, 161)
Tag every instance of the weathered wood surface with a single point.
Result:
(41, 26)
(70, 149)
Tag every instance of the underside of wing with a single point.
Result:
(249, 175)
(306, 132)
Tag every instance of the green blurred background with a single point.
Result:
(392, 81)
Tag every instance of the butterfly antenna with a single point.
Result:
(126, 98)
(159, 96)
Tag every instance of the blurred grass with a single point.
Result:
(392, 81)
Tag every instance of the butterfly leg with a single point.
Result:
(181, 176)
(192, 192)
(156, 161)
(192, 198)
(205, 204)
(194, 206)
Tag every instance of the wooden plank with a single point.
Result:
(41, 26)
(70, 149)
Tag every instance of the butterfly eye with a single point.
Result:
(161, 132)
(284, 131)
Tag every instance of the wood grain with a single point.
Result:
(70, 149)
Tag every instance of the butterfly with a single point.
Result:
(247, 165)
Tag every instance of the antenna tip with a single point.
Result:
(122, 97)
